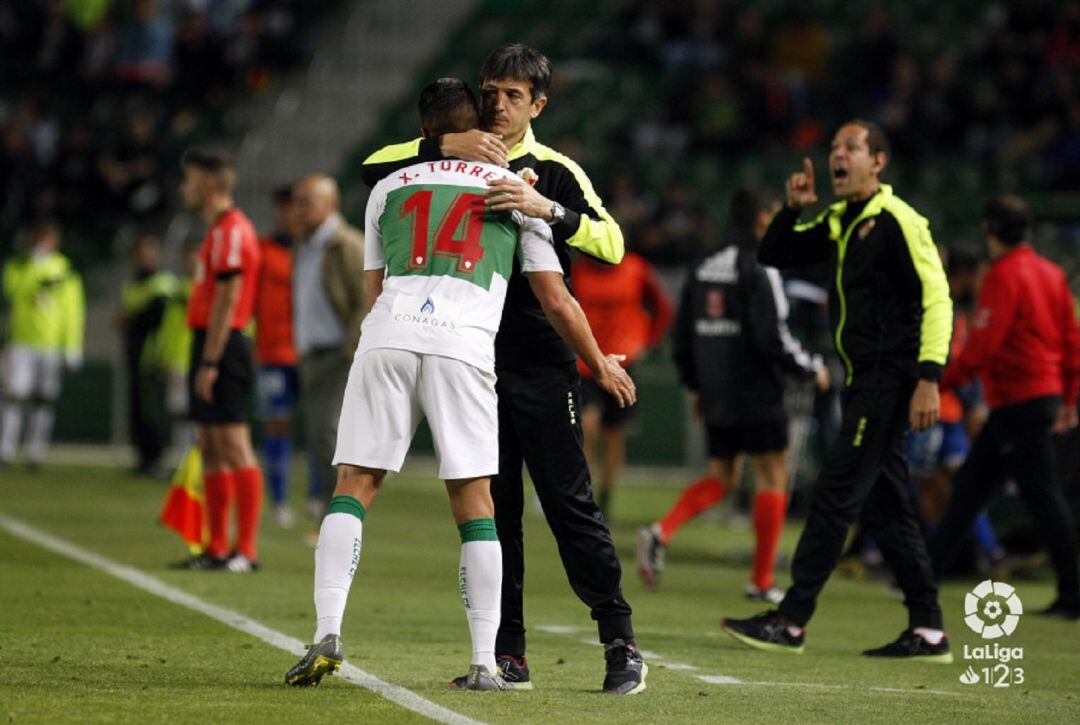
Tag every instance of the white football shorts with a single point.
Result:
(390, 390)
(30, 373)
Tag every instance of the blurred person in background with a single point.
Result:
(328, 307)
(174, 350)
(892, 320)
(629, 312)
(733, 351)
(144, 298)
(275, 351)
(46, 319)
(222, 371)
(1024, 344)
(936, 454)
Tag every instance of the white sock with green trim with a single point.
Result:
(480, 579)
(336, 559)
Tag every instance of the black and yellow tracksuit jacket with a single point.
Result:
(889, 303)
(525, 336)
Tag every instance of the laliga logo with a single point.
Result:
(992, 609)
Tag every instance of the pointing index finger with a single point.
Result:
(808, 168)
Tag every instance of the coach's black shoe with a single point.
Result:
(1057, 610)
(626, 670)
(912, 645)
(768, 631)
(201, 562)
(323, 658)
(515, 670)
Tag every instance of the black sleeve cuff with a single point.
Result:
(930, 371)
(570, 219)
(226, 274)
(429, 149)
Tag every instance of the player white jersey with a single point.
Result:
(447, 260)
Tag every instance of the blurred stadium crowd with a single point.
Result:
(989, 85)
(99, 97)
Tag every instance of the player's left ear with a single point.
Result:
(537, 106)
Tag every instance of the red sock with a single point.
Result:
(770, 510)
(219, 495)
(697, 497)
(249, 500)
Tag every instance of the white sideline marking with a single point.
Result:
(394, 693)
(727, 679)
(720, 680)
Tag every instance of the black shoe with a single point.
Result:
(767, 631)
(202, 562)
(515, 670)
(1057, 610)
(912, 645)
(322, 658)
(626, 669)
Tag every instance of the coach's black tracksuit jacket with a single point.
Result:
(891, 318)
(731, 342)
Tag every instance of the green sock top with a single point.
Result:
(346, 505)
(478, 530)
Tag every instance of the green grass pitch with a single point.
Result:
(77, 644)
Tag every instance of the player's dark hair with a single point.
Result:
(282, 195)
(521, 63)
(214, 161)
(745, 206)
(875, 137)
(448, 105)
(220, 164)
(1007, 217)
(961, 261)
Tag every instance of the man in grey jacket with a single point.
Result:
(328, 307)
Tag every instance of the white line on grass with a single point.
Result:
(394, 693)
(727, 679)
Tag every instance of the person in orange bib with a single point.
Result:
(629, 312)
(275, 351)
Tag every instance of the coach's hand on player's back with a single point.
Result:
(800, 187)
(474, 145)
(613, 379)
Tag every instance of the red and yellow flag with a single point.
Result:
(184, 509)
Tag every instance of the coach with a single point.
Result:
(538, 384)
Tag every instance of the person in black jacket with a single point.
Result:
(892, 320)
(144, 298)
(733, 349)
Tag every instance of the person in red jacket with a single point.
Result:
(1024, 344)
(276, 352)
(629, 313)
